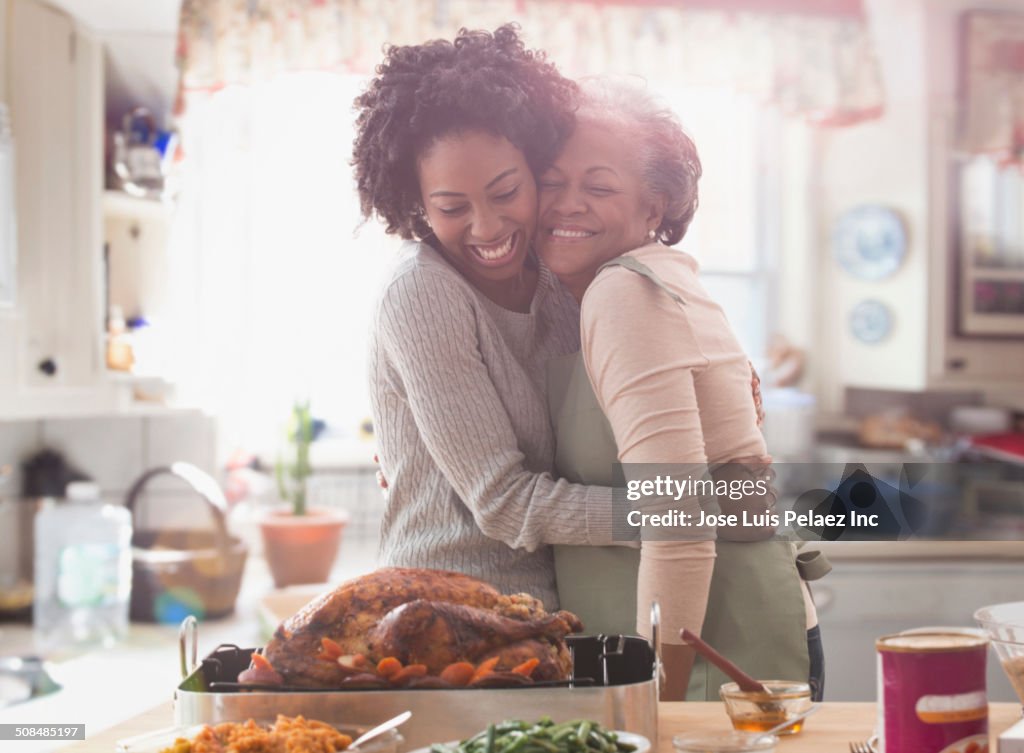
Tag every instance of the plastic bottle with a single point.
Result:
(83, 570)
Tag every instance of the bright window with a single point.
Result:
(268, 237)
(281, 285)
(731, 235)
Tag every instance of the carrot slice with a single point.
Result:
(458, 673)
(330, 650)
(389, 666)
(485, 668)
(407, 673)
(259, 661)
(526, 668)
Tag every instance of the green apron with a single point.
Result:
(755, 613)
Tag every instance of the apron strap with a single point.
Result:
(813, 565)
(640, 268)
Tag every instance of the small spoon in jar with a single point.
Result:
(792, 720)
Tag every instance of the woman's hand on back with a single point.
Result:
(750, 509)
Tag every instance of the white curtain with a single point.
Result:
(274, 286)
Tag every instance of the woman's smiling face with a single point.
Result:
(593, 206)
(480, 200)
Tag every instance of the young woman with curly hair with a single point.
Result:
(662, 380)
(449, 138)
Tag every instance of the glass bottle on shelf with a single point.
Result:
(119, 346)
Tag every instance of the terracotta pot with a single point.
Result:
(301, 548)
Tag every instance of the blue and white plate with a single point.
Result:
(870, 242)
(871, 321)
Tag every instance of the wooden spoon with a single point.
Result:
(747, 683)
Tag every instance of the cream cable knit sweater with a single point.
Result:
(458, 394)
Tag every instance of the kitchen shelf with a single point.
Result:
(126, 382)
(124, 204)
(996, 273)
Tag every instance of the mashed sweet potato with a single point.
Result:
(287, 735)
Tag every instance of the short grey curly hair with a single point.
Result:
(668, 160)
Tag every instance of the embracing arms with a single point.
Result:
(429, 330)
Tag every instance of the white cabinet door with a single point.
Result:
(859, 602)
(56, 109)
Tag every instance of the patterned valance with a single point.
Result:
(812, 58)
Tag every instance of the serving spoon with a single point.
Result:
(746, 683)
(380, 729)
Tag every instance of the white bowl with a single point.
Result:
(643, 745)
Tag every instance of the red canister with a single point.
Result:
(931, 693)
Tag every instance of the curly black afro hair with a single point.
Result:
(481, 81)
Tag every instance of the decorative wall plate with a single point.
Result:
(870, 241)
(871, 321)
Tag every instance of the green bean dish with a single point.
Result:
(577, 736)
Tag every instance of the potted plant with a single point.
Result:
(300, 542)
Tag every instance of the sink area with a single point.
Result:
(104, 686)
(22, 679)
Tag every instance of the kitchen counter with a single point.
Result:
(832, 729)
(861, 551)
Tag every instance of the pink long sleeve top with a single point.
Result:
(676, 387)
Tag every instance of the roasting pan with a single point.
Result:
(615, 681)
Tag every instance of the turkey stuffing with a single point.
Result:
(410, 627)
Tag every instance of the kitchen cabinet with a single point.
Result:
(906, 161)
(136, 235)
(953, 359)
(52, 340)
(864, 599)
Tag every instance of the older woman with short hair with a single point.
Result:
(663, 380)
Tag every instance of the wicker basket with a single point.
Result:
(180, 572)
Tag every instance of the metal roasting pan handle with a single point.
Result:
(188, 637)
(659, 668)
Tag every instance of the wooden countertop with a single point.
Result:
(831, 729)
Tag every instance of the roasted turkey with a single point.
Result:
(432, 622)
